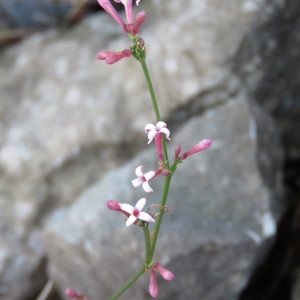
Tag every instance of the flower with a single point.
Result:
(111, 57)
(113, 205)
(165, 274)
(143, 179)
(135, 212)
(177, 151)
(153, 287)
(70, 292)
(131, 26)
(202, 145)
(153, 131)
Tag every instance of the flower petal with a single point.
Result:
(145, 217)
(131, 220)
(149, 127)
(137, 181)
(166, 131)
(149, 175)
(160, 125)
(127, 208)
(138, 171)
(140, 204)
(147, 188)
(151, 135)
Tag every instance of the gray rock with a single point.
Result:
(269, 68)
(67, 119)
(218, 196)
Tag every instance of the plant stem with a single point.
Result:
(129, 283)
(151, 89)
(154, 104)
(160, 216)
(147, 245)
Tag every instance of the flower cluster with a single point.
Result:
(131, 27)
(158, 133)
(165, 274)
(133, 214)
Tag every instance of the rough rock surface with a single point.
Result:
(217, 196)
(269, 68)
(67, 119)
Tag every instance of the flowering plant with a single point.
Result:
(159, 134)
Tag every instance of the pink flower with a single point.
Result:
(131, 26)
(155, 132)
(177, 151)
(111, 57)
(153, 287)
(143, 179)
(113, 205)
(165, 274)
(136, 212)
(70, 292)
(202, 145)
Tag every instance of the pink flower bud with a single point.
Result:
(177, 151)
(111, 57)
(165, 273)
(153, 287)
(113, 205)
(202, 145)
(71, 293)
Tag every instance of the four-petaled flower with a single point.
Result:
(131, 27)
(136, 212)
(143, 179)
(153, 131)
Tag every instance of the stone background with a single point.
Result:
(71, 135)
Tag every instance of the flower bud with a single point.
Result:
(177, 151)
(165, 273)
(113, 205)
(202, 145)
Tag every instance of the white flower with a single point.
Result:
(143, 179)
(135, 212)
(161, 127)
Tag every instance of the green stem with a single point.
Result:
(151, 89)
(154, 104)
(160, 216)
(129, 283)
(147, 245)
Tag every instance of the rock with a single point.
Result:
(219, 201)
(67, 119)
(270, 72)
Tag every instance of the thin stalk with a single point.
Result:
(154, 104)
(128, 284)
(160, 216)
(151, 89)
(147, 245)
